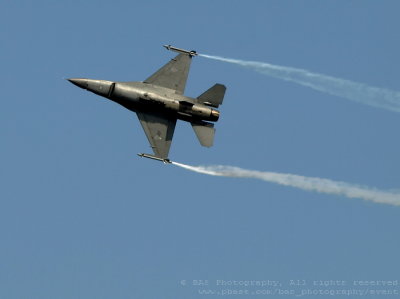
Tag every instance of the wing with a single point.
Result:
(159, 130)
(174, 74)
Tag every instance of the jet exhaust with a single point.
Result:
(354, 91)
(302, 182)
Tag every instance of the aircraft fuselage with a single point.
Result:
(144, 97)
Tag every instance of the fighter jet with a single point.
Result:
(159, 102)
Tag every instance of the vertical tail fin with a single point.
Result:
(213, 96)
(205, 133)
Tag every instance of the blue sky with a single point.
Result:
(81, 216)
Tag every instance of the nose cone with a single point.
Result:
(100, 87)
(82, 83)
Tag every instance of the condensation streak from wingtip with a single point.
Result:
(359, 92)
(354, 91)
(316, 184)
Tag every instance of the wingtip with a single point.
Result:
(164, 160)
(191, 53)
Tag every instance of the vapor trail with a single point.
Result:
(358, 92)
(301, 182)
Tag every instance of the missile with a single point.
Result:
(172, 48)
(165, 161)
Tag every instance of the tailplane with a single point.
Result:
(213, 96)
(205, 133)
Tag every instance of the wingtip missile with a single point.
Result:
(165, 161)
(172, 48)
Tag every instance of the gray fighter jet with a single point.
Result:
(159, 102)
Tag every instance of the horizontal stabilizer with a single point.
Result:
(214, 96)
(205, 133)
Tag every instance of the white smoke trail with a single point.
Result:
(302, 182)
(358, 92)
